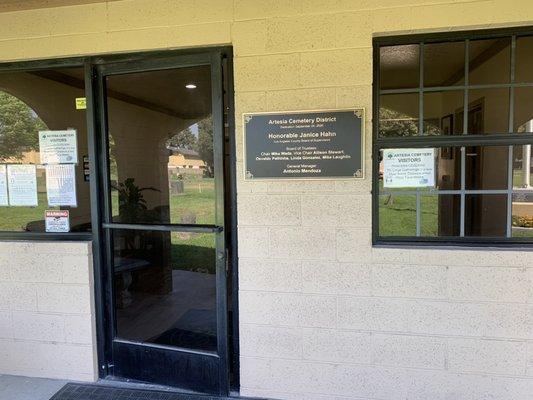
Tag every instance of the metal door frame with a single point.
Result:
(96, 114)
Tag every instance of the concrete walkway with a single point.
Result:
(23, 388)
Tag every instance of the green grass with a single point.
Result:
(16, 218)
(195, 252)
(523, 233)
(192, 252)
(198, 199)
(397, 216)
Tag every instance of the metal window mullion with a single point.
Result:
(418, 213)
(442, 192)
(165, 227)
(463, 195)
(500, 139)
(510, 154)
(420, 124)
(465, 94)
(463, 148)
(421, 90)
(455, 87)
(509, 191)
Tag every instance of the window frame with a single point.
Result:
(463, 140)
(37, 65)
(89, 63)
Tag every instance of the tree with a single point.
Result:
(205, 143)
(395, 123)
(19, 127)
(184, 139)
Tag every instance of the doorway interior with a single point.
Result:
(165, 237)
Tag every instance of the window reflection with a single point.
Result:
(161, 172)
(398, 115)
(486, 215)
(522, 207)
(486, 167)
(488, 111)
(522, 214)
(397, 215)
(475, 178)
(165, 289)
(522, 167)
(161, 155)
(399, 67)
(444, 64)
(440, 215)
(524, 51)
(31, 102)
(490, 61)
(523, 112)
(439, 110)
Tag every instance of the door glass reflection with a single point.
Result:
(161, 147)
(486, 215)
(165, 289)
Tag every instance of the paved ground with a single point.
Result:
(23, 388)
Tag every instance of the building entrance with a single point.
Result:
(164, 225)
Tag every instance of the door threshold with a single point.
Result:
(116, 382)
(110, 389)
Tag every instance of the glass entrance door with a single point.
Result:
(163, 221)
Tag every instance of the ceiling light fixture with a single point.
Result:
(190, 86)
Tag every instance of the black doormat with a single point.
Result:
(74, 391)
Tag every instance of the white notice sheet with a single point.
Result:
(408, 168)
(22, 185)
(61, 185)
(4, 201)
(58, 147)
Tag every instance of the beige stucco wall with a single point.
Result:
(323, 314)
(46, 310)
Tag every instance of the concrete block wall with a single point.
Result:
(324, 315)
(46, 310)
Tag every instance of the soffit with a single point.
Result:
(19, 5)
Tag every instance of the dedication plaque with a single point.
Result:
(304, 144)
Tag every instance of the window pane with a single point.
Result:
(440, 215)
(161, 147)
(439, 110)
(398, 114)
(522, 215)
(522, 167)
(486, 215)
(488, 111)
(523, 109)
(524, 61)
(486, 167)
(444, 64)
(490, 61)
(447, 167)
(399, 67)
(397, 215)
(38, 101)
(165, 288)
